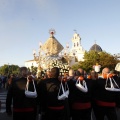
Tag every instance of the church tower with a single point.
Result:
(77, 48)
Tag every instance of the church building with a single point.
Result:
(76, 52)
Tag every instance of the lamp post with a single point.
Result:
(8, 71)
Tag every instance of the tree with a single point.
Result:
(4, 70)
(92, 57)
(33, 69)
(107, 60)
(9, 69)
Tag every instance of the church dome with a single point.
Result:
(96, 47)
(52, 45)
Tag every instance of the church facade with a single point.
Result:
(76, 52)
(77, 48)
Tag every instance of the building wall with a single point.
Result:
(30, 63)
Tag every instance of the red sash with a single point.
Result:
(23, 109)
(107, 104)
(56, 108)
(81, 105)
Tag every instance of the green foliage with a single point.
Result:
(92, 57)
(9, 69)
(108, 60)
(33, 69)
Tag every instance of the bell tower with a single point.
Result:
(76, 41)
(77, 48)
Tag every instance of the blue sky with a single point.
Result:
(24, 23)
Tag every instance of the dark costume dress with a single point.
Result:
(80, 102)
(24, 108)
(104, 101)
(50, 107)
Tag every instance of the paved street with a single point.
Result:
(3, 94)
(2, 100)
(3, 115)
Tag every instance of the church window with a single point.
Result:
(74, 44)
(77, 44)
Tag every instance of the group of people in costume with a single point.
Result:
(74, 96)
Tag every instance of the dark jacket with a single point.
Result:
(16, 96)
(79, 97)
(48, 99)
(103, 97)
